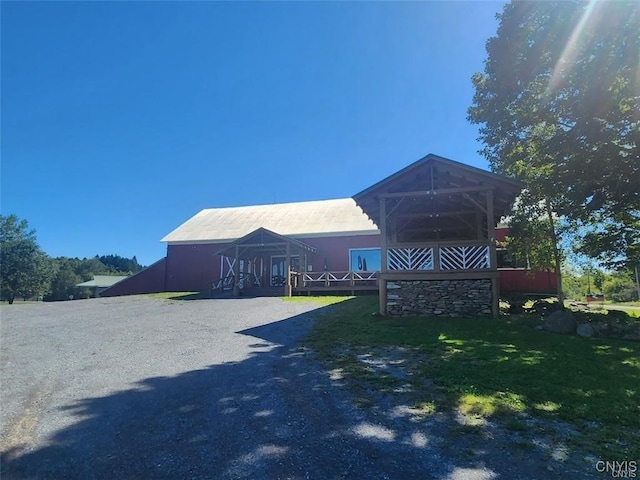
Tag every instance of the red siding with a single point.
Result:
(192, 268)
(523, 281)
(501, 234)
(195, 267)
(334, 251)
(149, 280)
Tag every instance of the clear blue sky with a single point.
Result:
(122, 120)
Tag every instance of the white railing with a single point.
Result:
(410, 258)
(438, 257)
(465, 257)
(328, 278)
(225, 283)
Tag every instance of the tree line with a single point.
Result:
(26, 271)
(617, 286)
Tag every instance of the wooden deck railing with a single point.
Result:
(346, 279)
(440, 257)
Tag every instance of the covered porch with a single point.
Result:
(265, 263)
(262, 262)
(437, 220)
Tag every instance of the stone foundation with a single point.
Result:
(439, 297)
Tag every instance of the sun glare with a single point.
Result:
(570, 51)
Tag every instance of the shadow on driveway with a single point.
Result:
(272, 415)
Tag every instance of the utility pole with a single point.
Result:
(637, 281)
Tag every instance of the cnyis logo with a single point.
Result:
(615, 469)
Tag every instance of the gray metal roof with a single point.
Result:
(322, 218)
(102, 281)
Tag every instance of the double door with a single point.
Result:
(279, 269)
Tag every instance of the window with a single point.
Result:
(279, 269)
(364, 259)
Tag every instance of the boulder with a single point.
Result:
(560, 321)
(585, 330)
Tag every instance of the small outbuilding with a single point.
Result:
(101, 282)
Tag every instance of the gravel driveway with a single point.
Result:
(124, 388)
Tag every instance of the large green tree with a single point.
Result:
(25, 270)
(558, 106)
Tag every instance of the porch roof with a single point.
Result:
(438, 188)
(262, 238)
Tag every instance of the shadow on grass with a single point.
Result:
(273, 414)
(499, 368)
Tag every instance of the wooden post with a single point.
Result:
(383, 234)
(236, 272)
(491, 231)
(382, 288)
(495, 291)
(287, 268)
(493, 255)
(262, 276)
(382, 284)
(301, 268)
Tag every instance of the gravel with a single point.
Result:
(135, 387)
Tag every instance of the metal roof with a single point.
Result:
(102, 281)
(322, 218)
(263, 239)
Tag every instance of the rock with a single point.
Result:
(560, 321)
(632, 337)
(585, 330)
(545, 308)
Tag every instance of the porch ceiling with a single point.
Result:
(439, 194)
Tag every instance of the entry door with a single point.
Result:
(279, 269)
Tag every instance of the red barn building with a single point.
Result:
(425, 238)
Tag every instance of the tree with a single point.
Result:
(118, 264)
(558, 106)
(529, 242)
(66, 278)
(619, 287)
(533, 234)
(25, 270)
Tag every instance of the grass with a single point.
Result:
(323, 300)
(497, 369)
(604, 308)
(177, 295)
(632, 312)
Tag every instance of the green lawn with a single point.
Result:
(496, 368)
(323, 300)
(177, 295)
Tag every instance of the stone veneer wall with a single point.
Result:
(439, 297)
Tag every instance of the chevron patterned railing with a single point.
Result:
(465, 258)
(410, 258)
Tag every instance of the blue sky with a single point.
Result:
(122, 120)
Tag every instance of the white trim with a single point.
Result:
(296, 236)
(335, 234)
